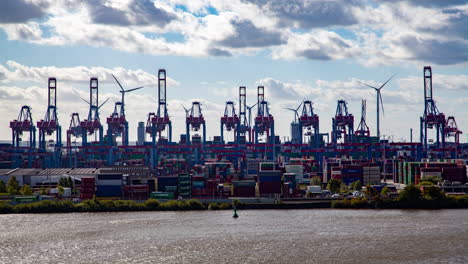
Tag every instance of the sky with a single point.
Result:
(318, 50)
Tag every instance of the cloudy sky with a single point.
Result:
(298, 49)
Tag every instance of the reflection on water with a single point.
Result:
(264, 236)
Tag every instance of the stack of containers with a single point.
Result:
(243, 188)
(252, 168)
(269, 180)
(335, 172)
(136, 192)
(370, 175)
(327, 169)
(297, 170)
(88, 190)
(412, 172)
(457, 174)
(162, 195)
(184, 185)
(109, 185)
(289, 184)
(431, 171)
(351, 173)
(167, 183)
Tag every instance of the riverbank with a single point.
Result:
(191, 205)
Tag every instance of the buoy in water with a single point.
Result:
(235, 213)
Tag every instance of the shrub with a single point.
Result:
(213, 206)
(152, 204)
(5, 208)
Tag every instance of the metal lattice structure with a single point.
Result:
(264, 121)
(92, 125)
(432, 118)
(363, 129)
(50, 124)
(195, 121)
(452, 131)
(24, 123)
(230, 121)
(342, 124)
(160, 122)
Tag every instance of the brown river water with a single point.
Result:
(257, 236)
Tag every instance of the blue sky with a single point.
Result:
(317, 50)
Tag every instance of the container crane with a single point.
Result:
(451, 130)
(230, 121)
(264, 121)
(342, 124)
(50, 124)
(117, 123)
(195, 121)
(92, 125)
(432, 118)
(160, 122)
(310, 121)
(24, 123)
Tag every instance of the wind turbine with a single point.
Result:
(99, 107)
(186, 110)
(379, 102)
(123, 91)
(249, 108)
(296, 115)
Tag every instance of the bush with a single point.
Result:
(225, 206)
(5, 208)
(410, 193)
(213, 206)
(152, 204)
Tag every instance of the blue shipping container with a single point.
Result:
(269, 179)
(350, 180)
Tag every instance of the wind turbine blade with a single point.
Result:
(134, 89)
(104, 103)
(368, 85)
(297, 109)
(381, 103)
(121, 88)
(186, 111)
(387, 81)
(294, 110)
(85, 100)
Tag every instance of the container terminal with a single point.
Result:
(256, 163)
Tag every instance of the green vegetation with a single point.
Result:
(3, 188)
(356, 186)
(26, 190)
(385, 191)
(410, 198)
(334, 185)
(316, 181)
(66, 182)
(433, 179)
(47, 206)
(13, 186)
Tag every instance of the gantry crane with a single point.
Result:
(50, 124)
(158, 123)
(451, 130)
(309, 121)
(230, 121)
(195, 121)
(431, 118)
(92, 125)
(264, 121)
(24, 123)
(117, 124)
(342, 124)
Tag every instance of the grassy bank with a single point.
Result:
(101, 206)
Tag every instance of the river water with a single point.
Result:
(257, 236)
